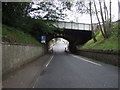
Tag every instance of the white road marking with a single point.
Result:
(78, 57)
(39, 77)
(49, 61)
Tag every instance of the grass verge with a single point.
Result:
(104, 44)
(13, 35)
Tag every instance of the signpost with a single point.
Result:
(43, 39)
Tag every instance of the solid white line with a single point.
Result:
(49, 61)
(39, 77)
(78, 57)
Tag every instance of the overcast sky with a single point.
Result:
(85, 18)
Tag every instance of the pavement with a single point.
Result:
(64, 70)
(25, 76)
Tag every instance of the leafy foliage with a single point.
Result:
(13, 35)
(13, 13)
(17, 14)
(49, 11)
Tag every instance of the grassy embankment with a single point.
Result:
(104, 44)
(13, 35)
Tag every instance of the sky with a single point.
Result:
(85, 18)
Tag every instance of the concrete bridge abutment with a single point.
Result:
(74, 37)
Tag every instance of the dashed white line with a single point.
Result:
(85, 60)
(49, 61)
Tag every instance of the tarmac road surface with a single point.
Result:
(70, 71)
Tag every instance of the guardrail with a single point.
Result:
(74, 26)
(78, 26)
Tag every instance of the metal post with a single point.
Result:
(84, 26)
(89, 27)
(78, 25)
(64, 25)
(71, 25)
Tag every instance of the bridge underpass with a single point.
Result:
(74, 37)
(75, 33)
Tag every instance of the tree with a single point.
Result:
(49, 11)
(93, 36)
(103, 21)
(14, 12)
(105, 11)
(110, 16)
(86, 9)
(98, 19)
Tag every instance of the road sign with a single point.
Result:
(43, 39)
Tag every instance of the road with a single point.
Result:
(70, 71)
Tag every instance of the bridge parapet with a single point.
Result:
(73, 26)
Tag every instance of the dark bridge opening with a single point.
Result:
(74, 37)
